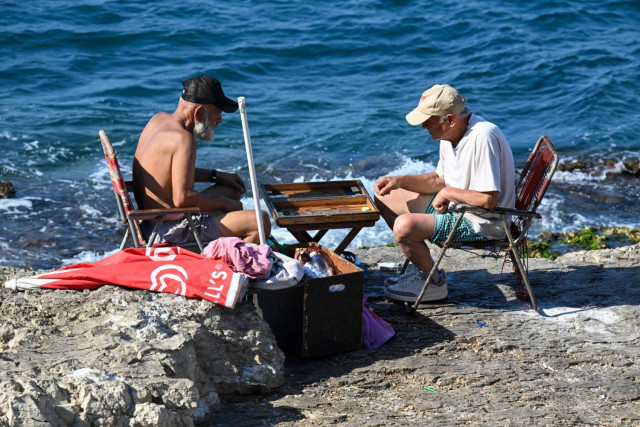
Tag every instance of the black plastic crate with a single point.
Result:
(317, 317)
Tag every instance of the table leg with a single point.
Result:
(301, 236)
(319, 235)
(348, 238)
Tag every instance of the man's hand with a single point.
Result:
(386, 184)
(441, 202)
(232, 205)
(231, 180)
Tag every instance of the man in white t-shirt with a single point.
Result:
(475, 168)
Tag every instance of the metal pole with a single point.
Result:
(252, 168)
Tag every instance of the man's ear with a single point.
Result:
(197, 113)
(451, 119)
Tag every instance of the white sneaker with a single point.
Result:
(410, 285)
(394, 280)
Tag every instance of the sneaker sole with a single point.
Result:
(434, 293)
(391, 281)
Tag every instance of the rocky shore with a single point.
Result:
(119, 357)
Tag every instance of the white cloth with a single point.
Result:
(482, 161)
(285, 272)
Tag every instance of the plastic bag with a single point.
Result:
(353, 259)
(375, 331)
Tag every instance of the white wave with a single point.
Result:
(31, 146)
(8, 135)
(596, 173)
(411, 166)
(100, 174)
(88, 256)
(580, 176)
(13, 205)
(10, 168)
(90, 211)
(119, 143)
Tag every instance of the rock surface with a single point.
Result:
(7, 190)
(483, 358)
(114, 356)
(577, 362)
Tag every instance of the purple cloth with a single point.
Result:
(251, 260)
(375, 331)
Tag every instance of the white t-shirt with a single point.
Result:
(482, 161)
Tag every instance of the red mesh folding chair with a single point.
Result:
(131, 216)
(534, 181)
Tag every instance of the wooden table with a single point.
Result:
(322, 206)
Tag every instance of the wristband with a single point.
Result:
(213, 176)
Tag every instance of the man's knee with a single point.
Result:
(404, 229)
(413, 228)
(266, 223)
(377, 201)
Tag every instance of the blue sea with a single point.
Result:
(327, 85)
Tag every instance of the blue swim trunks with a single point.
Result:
(444, 225)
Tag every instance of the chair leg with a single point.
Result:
(404, 266)
(525, 278)
(123, 244)
(196, 235)
(437, 262)
(516, 258)
(134, 237)
(154, 231)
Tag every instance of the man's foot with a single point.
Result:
(394, 280)
(410, 285)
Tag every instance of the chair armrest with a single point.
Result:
(169, 214)
(497, 210)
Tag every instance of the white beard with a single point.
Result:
(204, 130)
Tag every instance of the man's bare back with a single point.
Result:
(160, 141)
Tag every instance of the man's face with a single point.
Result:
(205, 128)
(437, 129)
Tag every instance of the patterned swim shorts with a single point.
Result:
(177, 231)
(444, 225)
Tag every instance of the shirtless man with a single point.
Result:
(475, 168)
(164, 169)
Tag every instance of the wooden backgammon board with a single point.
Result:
(303, 206)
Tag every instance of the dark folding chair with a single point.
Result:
(534, 181)
(132, 217)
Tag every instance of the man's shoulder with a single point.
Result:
(484, 129)
(163, 138)
(479, 124)
(165, 127)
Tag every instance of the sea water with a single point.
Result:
(327, 86)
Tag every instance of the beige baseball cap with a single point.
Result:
(438, 100)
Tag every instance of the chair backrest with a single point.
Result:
(119, 187)
(536, 175)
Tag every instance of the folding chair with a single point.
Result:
(534, 181)
(132, 217)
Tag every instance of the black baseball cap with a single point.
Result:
(203, 89)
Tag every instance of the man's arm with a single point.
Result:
(483, 199)
(428, 183)
(202, 175)
(232, 180)
(183, 173)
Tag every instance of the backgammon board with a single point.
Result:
(322, 205)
